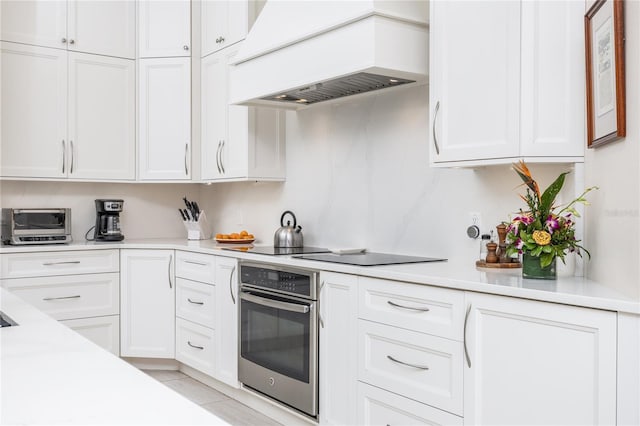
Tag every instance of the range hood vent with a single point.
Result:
(302, 53)
(337, 88)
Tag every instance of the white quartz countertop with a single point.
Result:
(49, 374)
(454, 273)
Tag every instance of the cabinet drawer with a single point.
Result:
(69, 297)
(426, 309)
(195, 346)
(434, 373)
(379, 407)
(196, 302)
(41, 264)
(103, 331)
(196, 266)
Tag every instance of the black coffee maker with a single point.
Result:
(108, 220)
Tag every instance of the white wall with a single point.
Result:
(150, 210)
(358, 176)
(613, 226)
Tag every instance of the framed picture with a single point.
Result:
(604, 42)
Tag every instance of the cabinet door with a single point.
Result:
(475, 80)
(147, 303)
(538, 363)
(101, 117)
(102, 27)
(164, 124)
(227, 320)
(338, 348)
(223, 24)
(214, 113)
(34, 111)
(41, 23)
(553, 99)
(164, 28)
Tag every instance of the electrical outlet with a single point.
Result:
(475, 218)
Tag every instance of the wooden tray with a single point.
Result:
(510, 265)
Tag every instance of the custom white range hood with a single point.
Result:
(303, 52)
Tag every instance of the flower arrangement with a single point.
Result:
(545, 230)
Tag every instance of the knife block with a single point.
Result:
(199, 230)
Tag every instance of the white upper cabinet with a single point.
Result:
(101, 117)
(164, 28)
(507, 82)
(237, 142)
(101, 27)
(73, 113)
(34, 112)
(224, 23)
(164, 124)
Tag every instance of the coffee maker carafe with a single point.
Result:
(108, 220)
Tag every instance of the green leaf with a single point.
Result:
(546, 259)
(549, 195)
(536, 251)
(547, 249)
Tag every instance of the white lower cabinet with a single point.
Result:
(196, 346)
(538, 363)
(379, 407)
(103, 331)
(338, 302)
(147, 303)
(227, 320)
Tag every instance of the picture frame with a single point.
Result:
(605, 72)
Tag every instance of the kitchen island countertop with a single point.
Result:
(457, 274)
(52, 375)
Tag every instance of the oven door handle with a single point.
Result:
(277, 304)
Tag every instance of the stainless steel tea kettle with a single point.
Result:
(288, 236)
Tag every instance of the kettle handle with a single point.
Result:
(284, 214)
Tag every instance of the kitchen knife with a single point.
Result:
(184, 217)
(196, 209)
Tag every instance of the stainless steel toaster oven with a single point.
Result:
(35, 226)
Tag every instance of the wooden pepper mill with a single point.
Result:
(502, 245)
(492, 257)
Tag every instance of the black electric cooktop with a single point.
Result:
(5, 321)
(368, 259)
(279, 251)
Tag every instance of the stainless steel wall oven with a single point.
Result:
(278, 354)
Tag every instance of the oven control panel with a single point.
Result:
(280, 279)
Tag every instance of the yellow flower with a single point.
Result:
(542, 238)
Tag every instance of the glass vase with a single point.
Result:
(531, 268)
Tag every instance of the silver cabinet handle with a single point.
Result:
(169, 271)
(64, 155)
(185, 47)
(72, 157)
(220, 40)
(233, 298)
(218, 157)
(286, 306)
(193, 262)
(464, 336)
(222, 158)
(195, 303)
(408, 364)
(68, 262)
(320, 320)
(64, 40)
(72, 41)
(77, 296)
(194, 346)
(411, 308)
(186, 154)
(435, 137)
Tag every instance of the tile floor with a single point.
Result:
(210, 399)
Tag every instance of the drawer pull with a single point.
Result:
(419, 367)
(407, 307)
(194, 346)
(196, 263)
(77, 296)
(69, 262)
(195, 303)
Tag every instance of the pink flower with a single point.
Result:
(552, 224)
